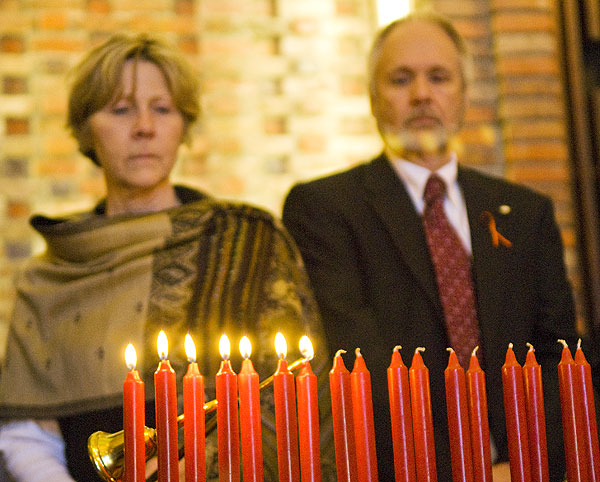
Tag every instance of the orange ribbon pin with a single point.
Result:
(497, 238)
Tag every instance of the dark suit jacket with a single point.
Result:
(364, 247)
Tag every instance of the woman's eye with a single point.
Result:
(162, 109)
(120, 110)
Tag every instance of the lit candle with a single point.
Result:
(536, 419)
(308, 416)
(364, 429)
(250, 428)
(478, 415)
(401, 417)
(193, 425)
(590, 433)
(420, 398)
(572, 416)
(516, 418)
(343, 421)
(166, 415)
(227, 417)
(133, 420)
(286, 425)
(458, 420)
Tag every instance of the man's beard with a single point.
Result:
(421, 142)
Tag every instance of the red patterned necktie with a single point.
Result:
(452, 265)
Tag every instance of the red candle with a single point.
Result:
(343, 421)
(458, 420)
(572, 416)
(516, 418)
(420, 397)
(286, 424)
(364, 429)
(590, 432)
(193, 425)
(166, 415)
(308, 416)
(227, 417)
(536, 419)
(478, 415)
(252, 458)
(401, 417)
(133, 421)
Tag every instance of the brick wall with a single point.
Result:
(284, 98)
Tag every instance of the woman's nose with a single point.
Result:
(144, 123)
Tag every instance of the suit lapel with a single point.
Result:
(389, 199)
(487, 259)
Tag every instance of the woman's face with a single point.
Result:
(136, 136)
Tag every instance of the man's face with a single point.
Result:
(418, 93)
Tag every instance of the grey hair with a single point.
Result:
(466, 62)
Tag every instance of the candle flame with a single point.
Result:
(306, 348)
(224, 347)
(130, 357)
(245, 347)
(163, 345)
(280, 345)
(190, 348)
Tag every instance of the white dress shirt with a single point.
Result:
(415, 177)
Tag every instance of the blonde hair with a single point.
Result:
(425, 16)
(96, 81)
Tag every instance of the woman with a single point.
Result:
(150, 256)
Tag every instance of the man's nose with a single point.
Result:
(421, 89)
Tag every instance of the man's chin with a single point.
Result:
(425, 141)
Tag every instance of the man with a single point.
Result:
(364, 237)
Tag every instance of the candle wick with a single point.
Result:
(450, 349)
(475, 350)
(398, 347)
(510, 345)
(419, 349)
(563, 342)
(530, 346)
(357, 352)
(339, 352)
(579, 344)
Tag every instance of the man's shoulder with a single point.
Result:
(495, 184)
(348, 177)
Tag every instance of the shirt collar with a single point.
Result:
(415, 177)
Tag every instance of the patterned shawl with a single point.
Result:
(207, 267)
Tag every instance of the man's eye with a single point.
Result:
(402, 80)
(439, 78)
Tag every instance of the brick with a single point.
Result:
(12, 44)
(523, 42)
(523, 22)
(53, 21)
(518, 85)
(531, 107)
(472, 29)
(312, 143)
(12, 85)
(17, 209)
(16, 126)
(480, 113)
(534, 151)
(101, 7)
(538, 129)
(500, 5)
(58, 43)
(529, 174)
(528, 65)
